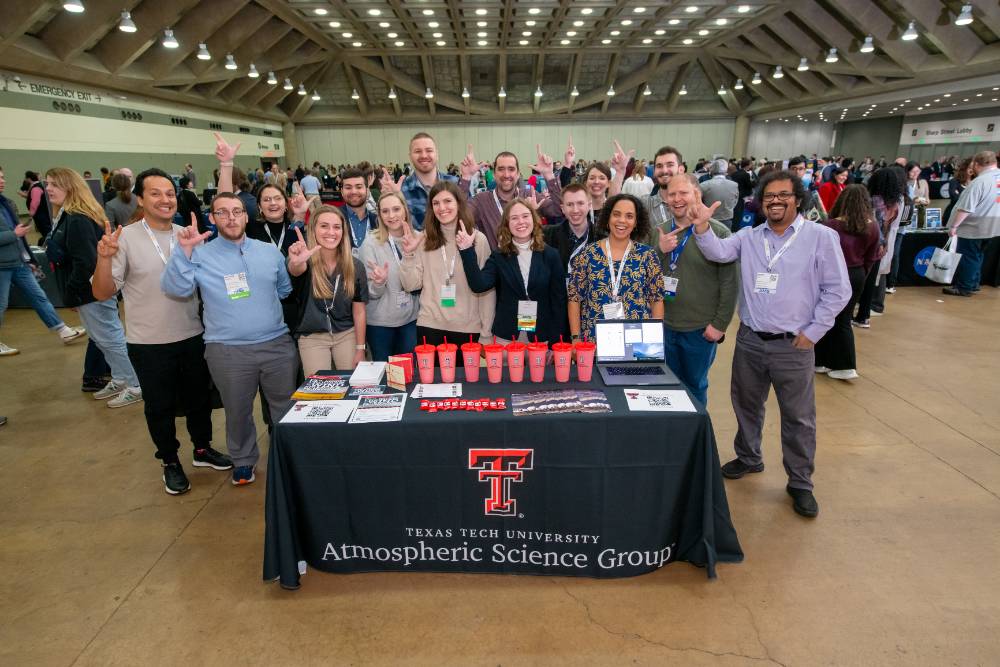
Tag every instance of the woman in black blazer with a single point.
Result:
(529, 277)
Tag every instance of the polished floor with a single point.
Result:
(902, 567)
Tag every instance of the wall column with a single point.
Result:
(741, 137)
(291, 145)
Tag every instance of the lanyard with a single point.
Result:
(524, 276)
(675, 254)
(329, 305)
(451, 269)
(156, 244)
(771, 261)
(356, 236)
(396, 252)
(580, 245)
(616, 281)
(496, 200)
(281, 239)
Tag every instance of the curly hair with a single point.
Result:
(641, 230)
(886, 183)
(854, 208)
(782, 175)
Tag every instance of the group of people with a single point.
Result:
(296, 286)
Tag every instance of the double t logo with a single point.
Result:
(500, 467)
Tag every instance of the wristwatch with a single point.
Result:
(359, 347)
(575, 337)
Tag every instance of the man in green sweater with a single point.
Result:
(701, 295)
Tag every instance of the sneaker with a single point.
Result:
(890, 290)
(877, 313)
(111, 389)
(3, 421)
(243, 475)
(950, 291)
(736, 469)
(209, 458)
(70, 334)
(863, 324)
(91, 385)
(848, 374)
(175, 482)
(803, 502)
(7, 351)
(128, 396)
(821, 369)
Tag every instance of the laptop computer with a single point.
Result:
(631, 353)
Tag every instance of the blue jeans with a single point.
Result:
(969, 272)
(384, 341)
(25, 281)
(104, 327)
(690, 356)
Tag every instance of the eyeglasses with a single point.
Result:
(773, 196)
(223, 215)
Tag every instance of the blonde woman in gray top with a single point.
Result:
(392, 310)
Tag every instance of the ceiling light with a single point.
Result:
(722, 90)
(399, 43)
(911, 32)
(743, 9)
(639, 10)
(778, 74)
(615, 33)
(534, 10)
(832, 56)
(683, 90)
(691, 10)
(169, 40)
(586, 11)
(578, 24)
(938, 99)
(702, 32)
(315, 96)
(480, 12)
(526, 33)
(271, 79)
(945, 95)
(253, 73)
(647, 90)
(127, 24)
(803, 65)
(688, 41)
(320, 11)
(334, 24)
(384, 24)
(436, 35)
(482, 42)
(564, 42)
(756, 78)
(627, 22)
(965, 100)
(230, 61)
(465, 92)
(481, 24)
(302, 90)
(357, 45)
(868, 46)
(738, 85)
(502, 93)
(374, 12)
(203, 53)
(288, 84)
(574, 92)
(433, 24)
(523, 42)
(429, 94)
(611, 91)
(605, 41)
(428, 12)
(660, 32)
(647, 41)
(674, 21)
(392, 35)
(354, 94)
(721, 21)
(347, 35)
(73, 6)
(441, 42)
(571, 33)
(538, 91)
(392, 93)
(481, 34)
(965, 18)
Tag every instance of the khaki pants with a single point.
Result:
(324, 351)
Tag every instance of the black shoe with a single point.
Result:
(174, 480)
(954, 291)
(803, 502)
(736, 469)
(209, 458)
(3, 421)
(92, 384)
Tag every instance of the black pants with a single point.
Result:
(437, 336)
(835, 350)
(867, 295)
(94, 365)
(172, 376)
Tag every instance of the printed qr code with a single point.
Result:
(659, 401)
(319, 412)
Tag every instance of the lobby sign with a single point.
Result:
(967, 130)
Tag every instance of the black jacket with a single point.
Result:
(559, 237)
(546, 285)
(78, 236)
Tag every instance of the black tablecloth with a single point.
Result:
(913, 243)
(599, 495)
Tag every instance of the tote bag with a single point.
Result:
(943, 263)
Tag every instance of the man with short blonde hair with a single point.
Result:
(975, 220)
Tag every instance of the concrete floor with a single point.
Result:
(101, 567)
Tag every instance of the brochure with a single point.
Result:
(319, 412)
(322, 388)
(452, 390)
(382, 408)
(659, 400)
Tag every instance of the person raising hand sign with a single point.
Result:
(108, 245)
(464, 240)
(299, 253)
(410, 241)
(188, 237)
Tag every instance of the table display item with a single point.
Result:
(405, 361)
(395, 376)
(562, 358)
(537, 353)
(584, 359)
(494, 361)
(425, 362)
(659, 400)
(319, 412)
(446, 360)
(368, 373)
(559, 401)
(382, 408)
(471, 352)
(437, 390)
(470, 405)
(515, 360)
(322, 387)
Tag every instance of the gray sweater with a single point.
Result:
(384, 309)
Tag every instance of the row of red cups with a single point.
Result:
(516, 351)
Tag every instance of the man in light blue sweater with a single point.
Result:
(242, 282)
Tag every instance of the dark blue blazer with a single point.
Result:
(546, 285)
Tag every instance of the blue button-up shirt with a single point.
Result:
(359, 227)
(416, 196)
(244, 321)
(813, 286)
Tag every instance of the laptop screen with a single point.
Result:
(623, 341)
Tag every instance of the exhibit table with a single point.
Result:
(917, 247)
(601, 495)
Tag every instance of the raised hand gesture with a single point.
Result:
(531, 199)
(299, 253)
(188, 237)
(223, 151)
(410, 241)
(570, 157)
(469, 166)
(668, 240)
(108, 245)
(463, 239)
(298, 202)
(378, 274)
(544, 164)
(698, 214)
(619, 160)
(388, 185)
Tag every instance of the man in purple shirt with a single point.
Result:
(793, 283)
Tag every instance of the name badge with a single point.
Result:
(527, 315)
(237, 286)
(447, 296)
(614, 310)
(402, 299)
(670, 286)
(766, 283)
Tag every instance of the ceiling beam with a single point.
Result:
(640, 98)
(675, 87)
(68, 34)
(868, 18)
(763, 90)
(396, 108)
(714, 74)
(428, 72)
(286, 13)
(988, 12)
(609, 81)
(536, 80)
(465, 74)
(19, 17)
(237, 31)
(302, 105)
(277, 94)
(957, 43)
(806, 47)
(502, 80)
(192, 29)
(118, 50)
(411, 28)
(357, 84)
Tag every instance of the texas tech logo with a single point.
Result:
(501, 467)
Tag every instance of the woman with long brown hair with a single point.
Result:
(853, 218)
(332, 294)
(78, 225)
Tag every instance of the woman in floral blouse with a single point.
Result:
(618, 277)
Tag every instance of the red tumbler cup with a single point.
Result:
(470, 360)
(562, 355)
(515, 360)
(446, 360)
(584, 359)
(425, 362)
(536, 360)
(494, 362)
